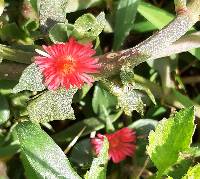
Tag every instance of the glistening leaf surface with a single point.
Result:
(87, 27)
(52, 105)
(42, 157)
(31, 79)
(52, 12)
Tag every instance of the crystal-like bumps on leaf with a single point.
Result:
(121, 144)
(52, 105)
(67, 64)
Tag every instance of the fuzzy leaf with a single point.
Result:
(42, 158)
(31, 79)
(52, 12)
(193, 172)
(87, 27)
(127, 77)
(129, 99)
(171, 137)
(52, 105)
(99, 164)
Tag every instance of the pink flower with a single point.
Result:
(67, 64)
(121, 144)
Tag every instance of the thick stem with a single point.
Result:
(185, 43)
(151, 47)
(180, 6)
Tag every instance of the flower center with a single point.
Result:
(66, 64)
(114, 142)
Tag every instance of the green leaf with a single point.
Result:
(181, 167)
(87, 27)
(124, 20)
(144, 26)
(41, 155)
(99, 164)
(9, 150)
(13, 54)
(142, 127)
(52, 12)
(145, 125)
(82, 93)
(81, 154)
(196, 53)
(127, 78)
(140, 87)
(157, 16)
(52, 105)
(4, 109)
(171, 137)
(193, 172)
(103, 102)
(129, 99)
(75, 5)
(30, 20)
(160, 18)
(11, 33)
(91, 124)
(185, 100)
(1, 6)
(6, 86)
(31, 79)
(35, 4)
(58, 33)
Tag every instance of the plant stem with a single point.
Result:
(15, 55)
(180, 6)
(151, 47)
